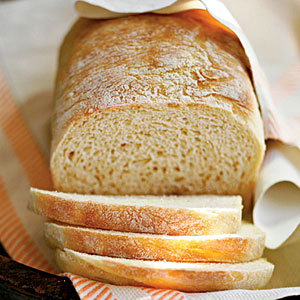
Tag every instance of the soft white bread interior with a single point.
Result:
(155, 104)
(188, 277)
(172, 215)
(245, 245)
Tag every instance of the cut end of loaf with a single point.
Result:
(158, 149)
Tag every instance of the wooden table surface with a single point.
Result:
(19, 282)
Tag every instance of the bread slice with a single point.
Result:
(188, 277)
(246, 245)
(171, 215)
(155, 104)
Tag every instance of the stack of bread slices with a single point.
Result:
(188, 243)
(155, 105)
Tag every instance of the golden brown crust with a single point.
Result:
(241, 247)
(135, 60)
(147, 219)
(197, 277)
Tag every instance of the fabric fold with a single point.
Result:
(277, 197)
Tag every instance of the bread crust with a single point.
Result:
(134, 218)
(246, 245)
(196, 277)
(225, 68)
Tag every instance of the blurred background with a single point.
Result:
(273, 28)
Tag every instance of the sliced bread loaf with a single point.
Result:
(188, 277)
(171, 215)
(246, 245)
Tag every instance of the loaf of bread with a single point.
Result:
(188, 277)
(155, 104)
(245, 245)
(156, 129)
(171, 215)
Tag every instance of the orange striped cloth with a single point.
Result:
(23, 164)
(13, 235)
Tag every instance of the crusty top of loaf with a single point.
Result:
(182, 58)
